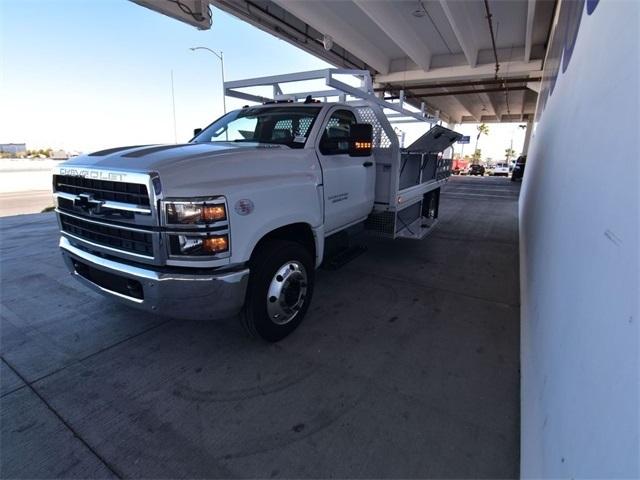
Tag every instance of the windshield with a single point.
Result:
(279, 125)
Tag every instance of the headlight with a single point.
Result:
(195, 213)
(199, 244)
(197, 227)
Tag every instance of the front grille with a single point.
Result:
(127, 240)
(134, 193)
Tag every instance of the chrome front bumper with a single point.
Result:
(185, 296)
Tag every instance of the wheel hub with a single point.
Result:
(287, 292)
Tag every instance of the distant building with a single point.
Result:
(59, 155)
(13, 148)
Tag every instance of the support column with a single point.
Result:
(527, 135)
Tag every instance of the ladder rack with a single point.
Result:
(336, 88)
(407, 180)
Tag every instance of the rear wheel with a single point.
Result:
(279, 291)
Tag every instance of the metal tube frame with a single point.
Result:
(364, 95)
(337, 88)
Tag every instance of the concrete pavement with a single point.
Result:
(20, 203)
(407, 365)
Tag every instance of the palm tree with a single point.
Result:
(509, 152)
(483, 129)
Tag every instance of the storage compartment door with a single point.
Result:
(435, 140)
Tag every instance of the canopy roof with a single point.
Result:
(468, 60)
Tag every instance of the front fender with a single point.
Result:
(318, 236)
(274, 208)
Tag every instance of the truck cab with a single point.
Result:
(236, 219)
(320, 137)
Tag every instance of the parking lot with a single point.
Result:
(407, 365)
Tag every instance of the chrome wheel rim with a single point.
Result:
(287, 292)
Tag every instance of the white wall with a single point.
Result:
(580, 265)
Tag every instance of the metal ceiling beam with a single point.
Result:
(390, 20)
(535, 86)
(474, 83)
(474, 109)
(462, 25)
(457, 92)
(322, 18)
(515, 68)
(487, 99)
(192, 12)
(528, 35)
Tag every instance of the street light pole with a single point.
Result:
(224, 96)
(173, 102)
(220, 57)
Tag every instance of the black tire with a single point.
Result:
(265, 264)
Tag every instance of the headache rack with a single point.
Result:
(408, 180)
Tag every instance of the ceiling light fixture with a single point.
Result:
(327, 42)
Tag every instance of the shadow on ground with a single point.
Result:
(406, 366)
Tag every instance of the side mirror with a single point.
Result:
(197, 131)
(361, 140)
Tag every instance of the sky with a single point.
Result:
(84, 75)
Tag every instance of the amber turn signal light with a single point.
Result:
(215, 244)
(213, 213)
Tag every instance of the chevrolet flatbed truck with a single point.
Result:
(237, 220)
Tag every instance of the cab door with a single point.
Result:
(348, 182)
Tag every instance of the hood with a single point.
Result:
(189, 168)
(146, 158)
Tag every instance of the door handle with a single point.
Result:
(367, 164)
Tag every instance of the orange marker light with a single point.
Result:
(215, 244)
(363, 145)
(213, 213)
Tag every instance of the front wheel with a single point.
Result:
(279, 291)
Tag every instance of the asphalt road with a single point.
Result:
(407, 365)
(19, 203)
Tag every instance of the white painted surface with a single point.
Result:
(579, 222)
(22, 175)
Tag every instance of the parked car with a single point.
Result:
(476, 170)
(501, 169)
(518, 170)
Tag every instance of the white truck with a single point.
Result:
(501, 169)
(238, 219)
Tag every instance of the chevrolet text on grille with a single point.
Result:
(93, 174)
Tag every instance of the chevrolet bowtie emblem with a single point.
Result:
(87, 202)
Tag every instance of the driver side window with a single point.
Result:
(335, 138)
